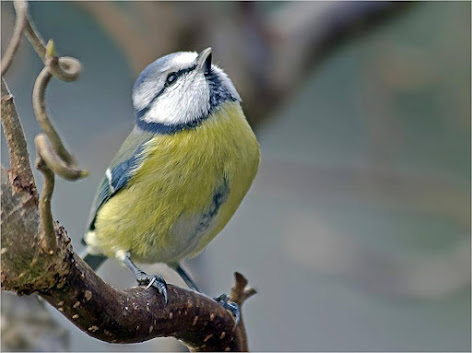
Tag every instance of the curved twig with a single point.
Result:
(48, 154)
(21, 9)
(35, 39)
(39, 106)
(63, 68)
(52, 156)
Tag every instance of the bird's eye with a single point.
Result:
(171, 78)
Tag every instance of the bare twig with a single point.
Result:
(39, 105)
(39, 93)
(49, 156)
(21, 8)
(240, 291)
(19, 157)
(35, 39)
(52, 156)
(239, 294)
(47, 235)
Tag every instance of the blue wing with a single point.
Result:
(121, 169)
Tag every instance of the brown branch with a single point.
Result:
(138, 314)
(21, 173)
(239, 294)
(21, 8)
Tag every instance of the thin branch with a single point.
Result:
(21, 9)
(39, 106)
(52, 156)
(35, 39)
(47, 236)
(240, 291)
(18, 149)
(239, 294)
(48, 155)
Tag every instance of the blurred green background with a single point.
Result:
(356, 232)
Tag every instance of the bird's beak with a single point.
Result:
(204, 61)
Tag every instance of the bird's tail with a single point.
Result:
(94, 261)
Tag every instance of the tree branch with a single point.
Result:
(138, 314)
(22, 176)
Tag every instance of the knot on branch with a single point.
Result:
(25, 187)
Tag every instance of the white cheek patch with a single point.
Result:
(144, 94)
(187, 100)
(154, 83)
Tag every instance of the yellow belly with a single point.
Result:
(187, 189)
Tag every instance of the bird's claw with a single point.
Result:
(223, 299)
(154, 281)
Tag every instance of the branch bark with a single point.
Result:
(22, 176)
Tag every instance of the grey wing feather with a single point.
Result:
(120, 170)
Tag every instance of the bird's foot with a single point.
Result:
(223, 299)
(155, 281)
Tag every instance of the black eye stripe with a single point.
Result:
(171, 78)
(181, 72)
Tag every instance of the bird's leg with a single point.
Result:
(222, 299)
(143, 278)
(188, 280)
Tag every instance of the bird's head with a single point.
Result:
(180, 90)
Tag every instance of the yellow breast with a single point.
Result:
(186, 190)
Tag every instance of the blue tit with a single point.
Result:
(182, 172)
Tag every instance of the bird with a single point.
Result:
(179, 176)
